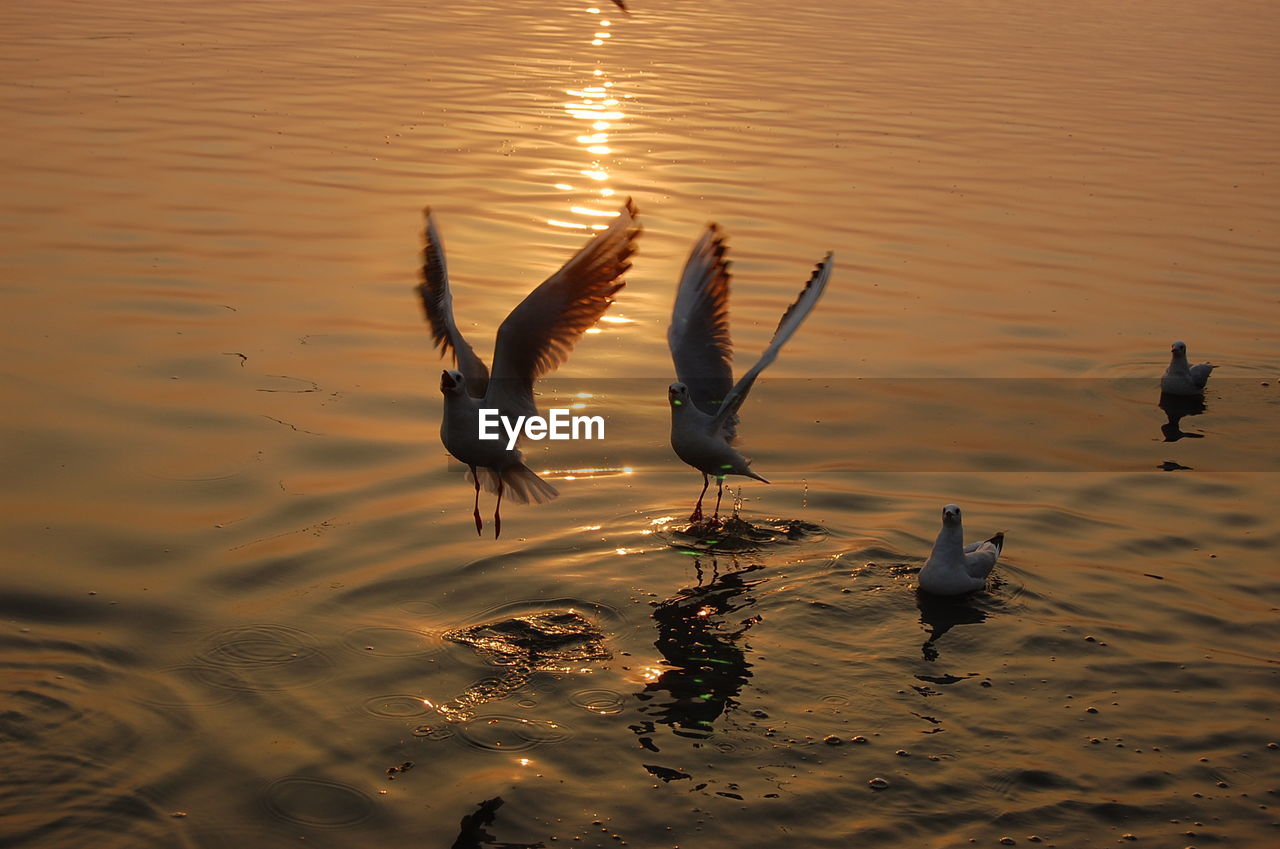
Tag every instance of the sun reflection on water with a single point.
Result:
(574, 474)
(599, 106)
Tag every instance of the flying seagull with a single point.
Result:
(533, 340)
(1180, 378)
(954, 568)
(705, 400)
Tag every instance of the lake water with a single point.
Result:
(234, 546)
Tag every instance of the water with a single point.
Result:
(234, 546)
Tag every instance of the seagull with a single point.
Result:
(1181, 378)
(533, 340)
(954, 568)
(705, 400)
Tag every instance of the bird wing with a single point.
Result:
(980, 557)
(539, 333)
(1200, 373)
(727, 416)
(437, 306)
(699, 333)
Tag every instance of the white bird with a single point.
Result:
(954, 568)
(534, 339)
(1181, 378)
(705, 400)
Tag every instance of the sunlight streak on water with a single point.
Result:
(598, 106)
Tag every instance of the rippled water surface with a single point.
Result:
(242, 600)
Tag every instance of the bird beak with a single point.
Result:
(447, 383)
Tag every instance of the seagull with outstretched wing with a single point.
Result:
(535, 338)
(705, 400)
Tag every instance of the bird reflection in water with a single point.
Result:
(942, 613)
(700, 632)
(1175, 408)
(472, 833)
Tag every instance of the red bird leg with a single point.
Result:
(497, 519)
(697, 509)
(479, 524)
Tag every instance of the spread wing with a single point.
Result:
(727, 417)
(539, 333)
(698, 337)
(437, 306)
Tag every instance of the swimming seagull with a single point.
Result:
(1180, 378)
(534, 339)
(705, 400)
(954, 568)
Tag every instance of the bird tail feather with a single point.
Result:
(520, 484)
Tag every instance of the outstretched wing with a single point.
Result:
(699, 333)
(437, 306)
(539, 333)
(727, 417)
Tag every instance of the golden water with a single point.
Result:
(233, 540)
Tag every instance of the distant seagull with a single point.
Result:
(534, 339)
(954, 568)
(705, 400)
(1180, 378)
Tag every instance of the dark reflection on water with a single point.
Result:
(472, 832)
(701, 640)
(942, 613)
(1177, 407)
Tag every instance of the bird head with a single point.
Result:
(452, 382)
(678, 394)
(1179, 349)
(951, 515)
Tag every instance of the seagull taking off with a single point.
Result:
(533, 340)
(1180, 378)
(705, 400)
(954, 568)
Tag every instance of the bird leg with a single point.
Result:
(479, 524)
(497, 519)
(697, 509)
(715, 517)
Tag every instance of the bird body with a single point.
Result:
(492, 465)
(534, 339)
(698, 442)
(1182, 378)
(705, 400)
(954, 568)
